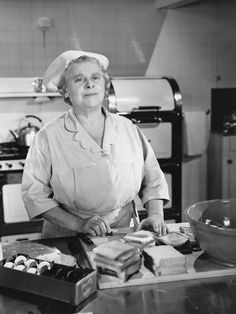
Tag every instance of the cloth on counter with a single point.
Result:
(194, 133)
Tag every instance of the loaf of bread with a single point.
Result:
(164, 259)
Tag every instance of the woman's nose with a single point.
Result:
(89, 83)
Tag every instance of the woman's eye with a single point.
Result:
(96, 77)
(78, 79)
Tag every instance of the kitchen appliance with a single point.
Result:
(222, 145)
(223, 109)
(155, 105)
(14, 220)
(25, 134)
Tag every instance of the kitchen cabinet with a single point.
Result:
(222, 166)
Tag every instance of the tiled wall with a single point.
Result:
(126, 31)
(197, 46)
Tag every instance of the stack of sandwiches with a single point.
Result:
(117, 259)
(164, 260)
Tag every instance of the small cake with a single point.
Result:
(20, 260)
(71, 274)
(33, 271)
(43, 266)
(9, 265)
(19, 267)
(31, 263)
(59, 273)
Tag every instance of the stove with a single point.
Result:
(12, 156)
(14, 220)
(12, 150)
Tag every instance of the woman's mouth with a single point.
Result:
(90, 94)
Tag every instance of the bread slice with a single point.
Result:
(171, 270)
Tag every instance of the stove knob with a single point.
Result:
(21, 163)
(9, 165)
(0, 166)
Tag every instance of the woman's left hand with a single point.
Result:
(155, 223)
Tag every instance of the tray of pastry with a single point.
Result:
(69, 284)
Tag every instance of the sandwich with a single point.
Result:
(117, 259)
(140, 239)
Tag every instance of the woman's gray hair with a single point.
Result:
(62, 82)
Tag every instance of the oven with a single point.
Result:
(14, 220)
(155, 105)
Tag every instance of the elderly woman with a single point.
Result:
(85, 168)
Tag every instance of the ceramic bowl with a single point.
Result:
(213, 224)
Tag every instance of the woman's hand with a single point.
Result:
(154, 223)
(96, 226)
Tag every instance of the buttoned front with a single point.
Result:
(66, 167)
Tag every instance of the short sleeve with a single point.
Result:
(154, 185)
(37, 193)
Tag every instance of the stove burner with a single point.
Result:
(13, 150)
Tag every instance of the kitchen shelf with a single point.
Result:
(28, 94)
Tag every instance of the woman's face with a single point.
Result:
(85, 85)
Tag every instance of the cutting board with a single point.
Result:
(198, 265)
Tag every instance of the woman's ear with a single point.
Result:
(66, 94)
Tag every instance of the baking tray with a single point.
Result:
(47, 285)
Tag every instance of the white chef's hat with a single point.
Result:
(55, 70)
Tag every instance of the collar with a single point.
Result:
(86, 141)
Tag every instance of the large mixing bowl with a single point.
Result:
(213, 224)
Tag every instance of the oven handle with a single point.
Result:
(156, 120)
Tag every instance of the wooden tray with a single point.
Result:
(198, 265)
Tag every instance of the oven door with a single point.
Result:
(13, 207)
(159, 135)
(14, 220)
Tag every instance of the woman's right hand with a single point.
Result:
(96, 226)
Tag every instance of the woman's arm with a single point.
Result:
(62, 218)
(154, 208)
(95, 226)
(154, 190)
